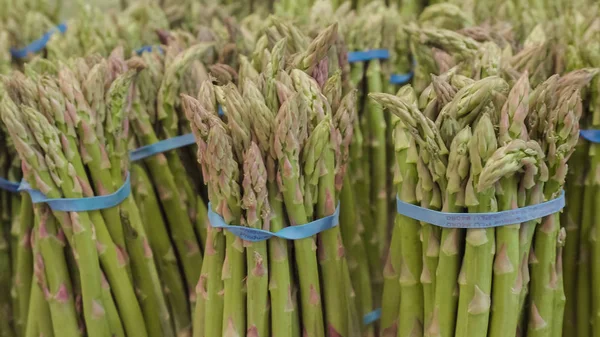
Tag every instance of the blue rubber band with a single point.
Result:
(80, 204)
(367, 55)
(481, 220)
(401, 78)
(162, 146)
(221, 113)
(372, 316)
(590, 135)
(38, 44)
(8, 185)
(298, 232)
(148, 49)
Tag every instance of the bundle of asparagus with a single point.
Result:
(490, 149)
(287, 157)
(93, 271)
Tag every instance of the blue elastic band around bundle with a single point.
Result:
(481, 220)
(162, 146)
(401, 78)
(8, 185)
(288, 233)
(38, 44)
(372, 317)
(590, 135)
(368, 55)
(148, 49)
(80, 204)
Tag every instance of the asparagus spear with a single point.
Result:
(375, 120)
(166, 259)
(290, 134)
(559, 296)
(23, 268)
(563, 120)
(255, 203)
(209, 307)
(234, 314)
(411, 308)
(58, 290)
(444, 316)
(38, 307)
(507, 281)
(476, 274)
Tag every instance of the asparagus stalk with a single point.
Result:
(255, 203)
(291, 124)
(567, 113)
(507, 281)
(476, 274)
(356, 257)
(6, 328)
(375, 120)
(59, 294)
(443, 322)
(38, 307)
(234, 313)
(209, 307)
(330, 247)
(411, 308)
(166, 260)
(559, 297)
(24, 266)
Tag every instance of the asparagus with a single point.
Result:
(507, 281)
(51, 261)
(255, 203)
(209, 307)
(411, 308)
(151, 298)
(559, 296)
(566, 114)
(166, 260)
(78, 225)
(289, 136)
(162, 177)
(476, 274)
(234, 314)
(38, 307)
(281, 284)
(23, 267)
(376, 141)
(444, 316)
(330, 247)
